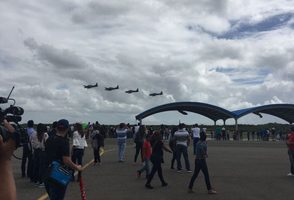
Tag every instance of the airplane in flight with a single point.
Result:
(112, 88)
(90, 86)
(131, 91)
(155, 94)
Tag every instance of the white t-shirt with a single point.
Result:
(196, 132)
(78, 141)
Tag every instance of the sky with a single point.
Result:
(230, 53)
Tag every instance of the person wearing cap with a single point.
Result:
(57, 149)
(200, 164)
(290, 144)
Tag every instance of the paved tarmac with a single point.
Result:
(238, 170)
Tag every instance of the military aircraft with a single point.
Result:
(112, 88)
(90, 86)
(131, 91)
(155, 94)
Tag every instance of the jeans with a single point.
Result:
(121, 150)
(97, 154)
(182, 149)
(26, 155)
(200, 164)
(77, 156)
(139, 146)
(146, 167)
(173, 159)
(55, 192)
(291, 158)
(156, 168)
(195, 141)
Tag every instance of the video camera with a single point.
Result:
(11, 114)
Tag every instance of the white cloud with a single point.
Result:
(51, 49)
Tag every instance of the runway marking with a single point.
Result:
(45, 196)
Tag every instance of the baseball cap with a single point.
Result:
(63, 124)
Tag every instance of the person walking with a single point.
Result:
(146, 157)
(79, 144)
(290, 144)
(200, 164)
(57, 149)
(139, 139)
(172, 146)
(97, 141)
(156, 159)
(182, 139)
(121, 133)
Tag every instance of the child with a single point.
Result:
(146, 157)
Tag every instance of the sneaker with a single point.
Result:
(180, 171)
(164, 184)
(148, 186)
(138, 174)
(290, 174)
(189, 171)
(211, 191)
(190, 191)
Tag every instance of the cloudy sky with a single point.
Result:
(230, 53)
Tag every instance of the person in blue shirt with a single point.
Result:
(200, 164)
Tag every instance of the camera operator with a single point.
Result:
(7, 186)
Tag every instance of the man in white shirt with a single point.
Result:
(182, 140)
(196, 136)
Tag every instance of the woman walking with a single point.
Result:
(157, 159)
(146, 157)
(139, 139)
(79, 144)
(200, 164)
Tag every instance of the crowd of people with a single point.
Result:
(44, 145)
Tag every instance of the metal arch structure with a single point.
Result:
(210, 111)
(283, 111)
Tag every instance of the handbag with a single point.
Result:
(59, 174)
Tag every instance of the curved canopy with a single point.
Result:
(283, 111)
(213, 112)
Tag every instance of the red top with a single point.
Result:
(147, 149)
(291, 140)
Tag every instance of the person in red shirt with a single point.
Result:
(146, 157)
(290, 144)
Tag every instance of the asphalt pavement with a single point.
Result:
(238, 170)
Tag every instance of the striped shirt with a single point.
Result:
(181, 137)
(121, 135)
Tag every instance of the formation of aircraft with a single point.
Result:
(117, 87)
(112, 88)
(131, 91)
(90, 86)
(155, 94)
